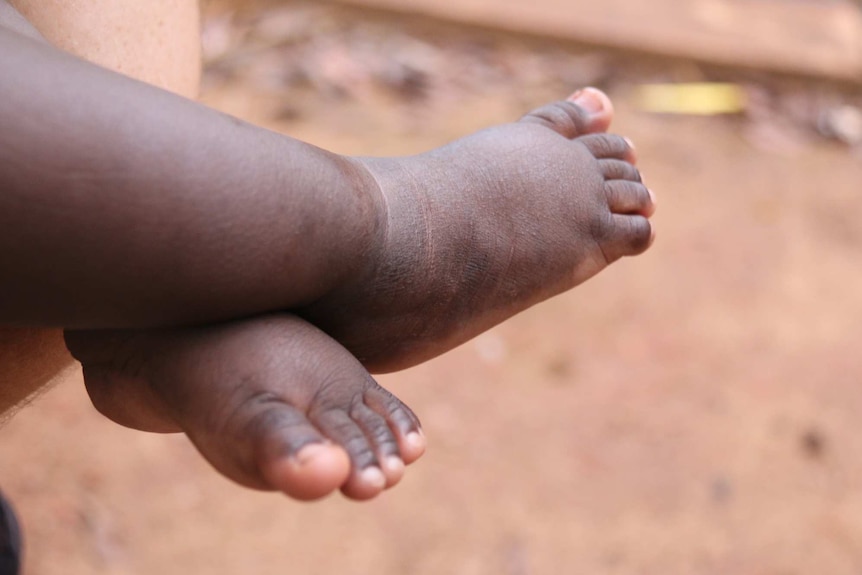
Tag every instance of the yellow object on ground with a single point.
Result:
(698, 98)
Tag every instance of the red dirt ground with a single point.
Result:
(693, 410)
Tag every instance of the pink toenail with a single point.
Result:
(309, 452)
(415, 439)
(651, 196)
(629, 142)
(372, 477)
(590, 99)
(393, 465)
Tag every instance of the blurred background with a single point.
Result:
(695, 410)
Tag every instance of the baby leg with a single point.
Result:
(272, 403)
(485, 227)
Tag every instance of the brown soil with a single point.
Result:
(693, 410)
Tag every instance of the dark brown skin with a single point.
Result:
(232, 387)
(271, 402)
(177, 214)
(484, 228)
(139, 382)
(150, 210)
(156, 41)
(169, 215)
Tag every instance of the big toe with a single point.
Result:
(314, 472)
(598, 106)
(269, 444)
(587, 111)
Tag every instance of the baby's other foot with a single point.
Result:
(272, 403)
(485, 227)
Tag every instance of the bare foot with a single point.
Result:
(484, 228)
(272, 403)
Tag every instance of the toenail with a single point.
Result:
(629, 142)
(393, 465)
(415, 439)
(590, 99)
(372, 477)
(651, 196)
(309, 452)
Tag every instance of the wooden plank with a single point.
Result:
(811, 37)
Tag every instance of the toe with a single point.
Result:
(597, 104)
(630, 235)
(293, 456)
(619, 170)
(609, 146)
(382, 440)
(626, 197)
(393, 470)
(585, 112)
(413, 446)
(366, 478)
(315, 471)
(402, 421)
(365, 484)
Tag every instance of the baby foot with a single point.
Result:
(272, 403)
(484, 228)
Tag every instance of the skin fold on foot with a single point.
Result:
(486, 227)
(272, 403)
